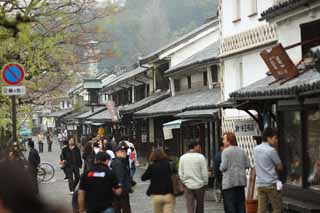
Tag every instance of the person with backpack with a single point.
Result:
(34, 161)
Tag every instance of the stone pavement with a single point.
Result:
(56, 191)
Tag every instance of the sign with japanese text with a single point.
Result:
(246, 128)
(112, 110)
(13, 90)
(279, 63)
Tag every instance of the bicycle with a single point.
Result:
(45, 172)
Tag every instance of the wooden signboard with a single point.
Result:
(279, 63)
(112, 110)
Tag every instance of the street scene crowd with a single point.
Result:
(100, 175)
(163, 106)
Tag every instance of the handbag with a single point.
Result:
(177, 185)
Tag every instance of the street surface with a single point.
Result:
(56, 191)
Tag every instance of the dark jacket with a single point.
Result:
(88, 159)
(122, 172)
(34, 158)
(72, 157)
(159, 173)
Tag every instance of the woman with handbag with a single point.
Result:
(160, 189)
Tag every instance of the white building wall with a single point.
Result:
(230, 28)
(195, 47)
(289, 32)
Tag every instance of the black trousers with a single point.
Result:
(40, 147)
(73, 174)
(49, 147)
(234, 200)
(122, 203)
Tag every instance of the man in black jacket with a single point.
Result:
(121, 169)
(34, 161)
(98, 186)
(71, 158)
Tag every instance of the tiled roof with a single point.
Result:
(139, 105)
(60, 113)
(155, 54)
(284, 7)
(205, 55)
(305, 83)
(103, 116)
(90, 113)
(200, 99)
(125, 76)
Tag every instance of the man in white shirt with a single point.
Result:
(193, 172)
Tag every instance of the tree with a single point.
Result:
(51, 39)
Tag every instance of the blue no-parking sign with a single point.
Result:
(13, 74)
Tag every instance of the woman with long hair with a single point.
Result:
(160, 189)
(88, 157)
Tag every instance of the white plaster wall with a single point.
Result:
(253, 69)
(196, 81)
(289, 32)
(229, 28)
(184, 83)
(195, 47)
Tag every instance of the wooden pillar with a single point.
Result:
(172, 88)
(209, 74)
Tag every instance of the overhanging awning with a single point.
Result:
(176, 124)
(198, 113)
(96, 124)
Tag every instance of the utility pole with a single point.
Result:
(14, 119)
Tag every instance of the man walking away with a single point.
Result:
(193, 172)
(34, 161)
(71, 158)
(120, 167)
(267, 164)
(98, 186)
(49, 142)
(40, 142)
(234, 162)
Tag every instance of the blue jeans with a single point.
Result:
(234, 200)
(108, 210)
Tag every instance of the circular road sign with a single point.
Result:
(13, 74)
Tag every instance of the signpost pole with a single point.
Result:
(14, 119)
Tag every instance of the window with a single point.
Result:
(237, 10)
(310, 32)
(177, 85)
(189, 82)
(313, 149)
(292, 147)
(205, 78)
(105, 97)
(253, 8)
(214, 74)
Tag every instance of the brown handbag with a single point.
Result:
(177, 185)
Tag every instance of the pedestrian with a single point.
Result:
(160, 189)
(49, 142)
(98, 187)
(88, 157)
(234, 162)
(62, 164)
(71, 158)
(34, 161)
(18, 192)
(40, 142)
(216, 167)
(193, 172)
(110, 153)
(268, 163)
(120, 167)
(60, 140)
